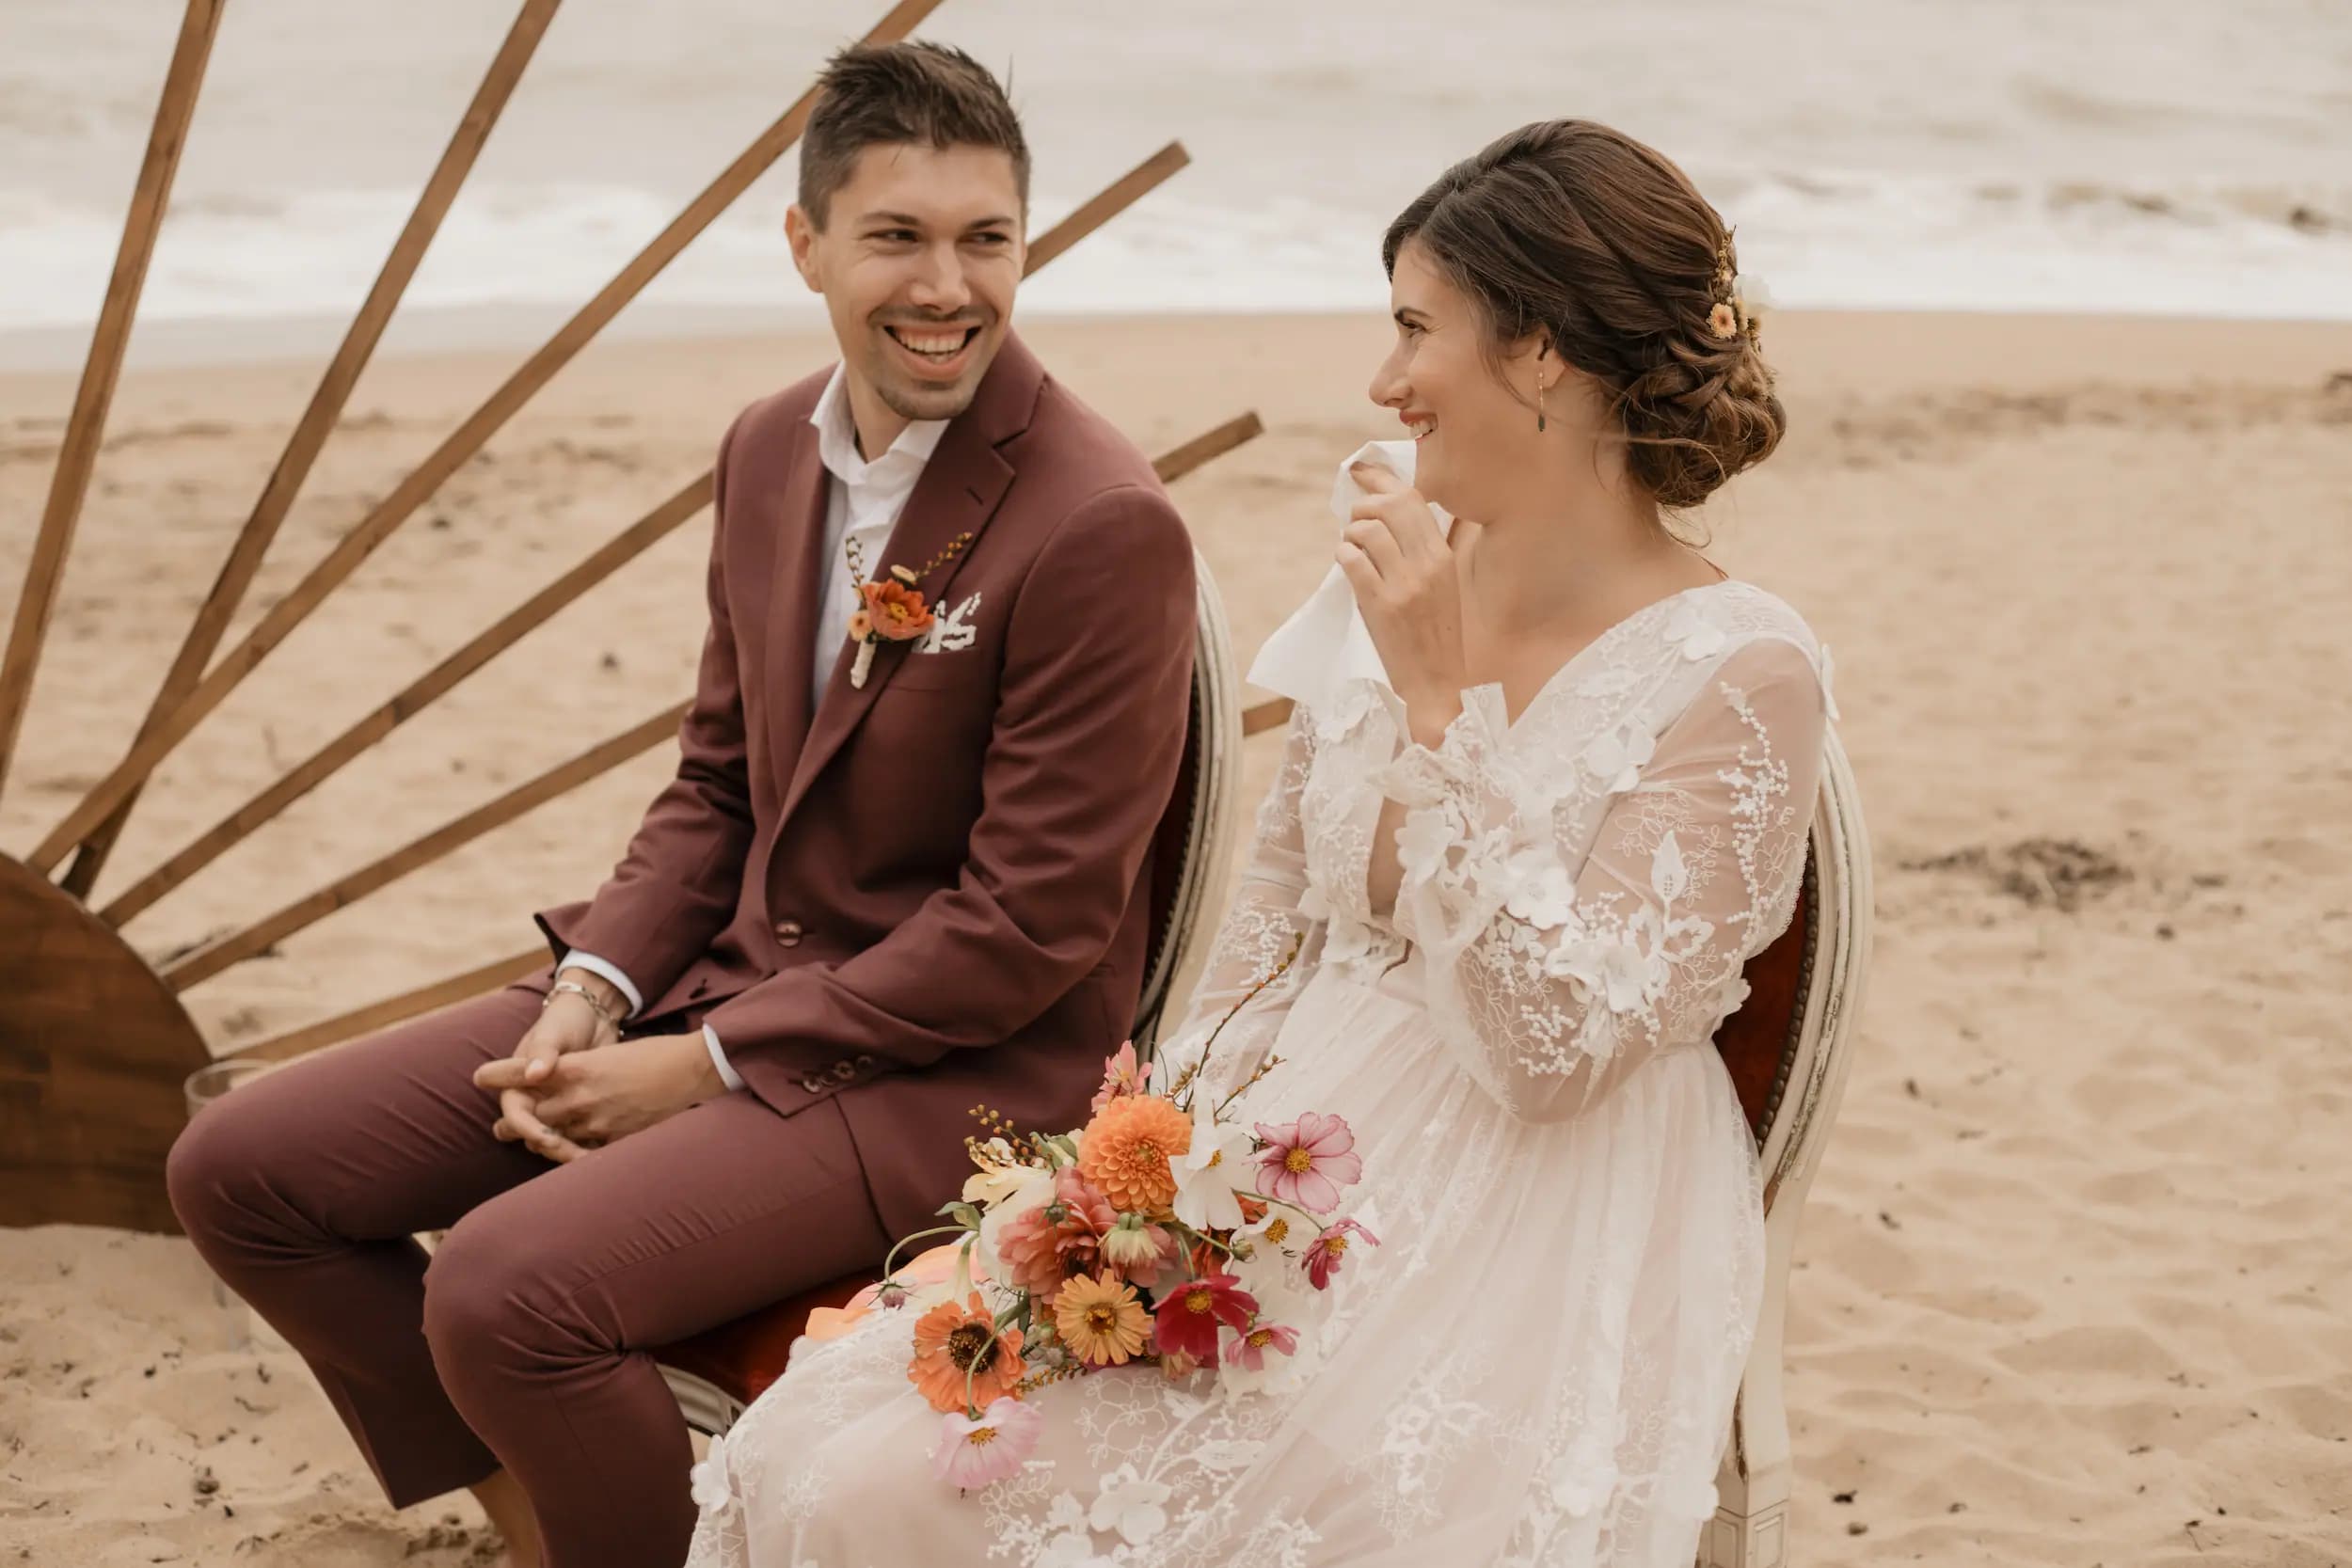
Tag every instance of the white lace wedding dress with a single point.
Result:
(1536, 1366)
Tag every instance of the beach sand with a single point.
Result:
(2070, 1289)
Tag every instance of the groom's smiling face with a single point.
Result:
(918, 257)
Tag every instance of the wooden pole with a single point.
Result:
(419, 695)
(1271, 714)
(393, 1009)
(77, 455)
(318, 420)
(1206, 448)
(1123, 193)
(598, 760)
(281, 618)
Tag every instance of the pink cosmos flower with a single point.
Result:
(1249, 1347)
(1187, 1320)
(1121, 1076)
(1323, 1253)
(1309, 1160)
(972, 1454)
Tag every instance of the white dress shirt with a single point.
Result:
(861, 504)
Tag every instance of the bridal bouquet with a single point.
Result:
(1162, 1231)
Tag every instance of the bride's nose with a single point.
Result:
(1389, 384)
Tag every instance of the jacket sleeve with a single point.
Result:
(1088, 736)
(675, 889)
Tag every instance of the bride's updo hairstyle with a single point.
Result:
(1581, 234)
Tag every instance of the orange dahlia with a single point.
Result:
(1127, 1148)
(1101, 1321)
(961, 1360)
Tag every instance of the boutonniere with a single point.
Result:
(891, 608)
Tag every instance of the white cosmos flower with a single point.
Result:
(1032, 1189)
(1205, 1176)
(999, 1181)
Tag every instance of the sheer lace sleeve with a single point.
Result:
(1272, 910)
(1560, 956)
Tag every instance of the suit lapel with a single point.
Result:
(797, 567)
(960, 489)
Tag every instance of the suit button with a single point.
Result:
(789, 933)
(815, 1085)
(863, 1062)
(844, 1071)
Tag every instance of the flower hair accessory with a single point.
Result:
(1739, 301)
(890, 608)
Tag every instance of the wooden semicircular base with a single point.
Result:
(94, 1052)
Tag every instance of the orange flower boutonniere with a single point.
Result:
(892, 608)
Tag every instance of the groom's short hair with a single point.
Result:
(929, 94)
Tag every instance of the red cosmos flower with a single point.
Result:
(1324, 1255)
(1187, 1317)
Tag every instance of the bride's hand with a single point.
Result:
(1403, 571)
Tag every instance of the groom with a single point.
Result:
(897, 875)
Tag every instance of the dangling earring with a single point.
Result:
(1539, 402)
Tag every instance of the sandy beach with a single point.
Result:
(2071, 1286)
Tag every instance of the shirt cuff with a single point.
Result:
(593, 965)
(728, 1075)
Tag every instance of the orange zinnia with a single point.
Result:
(960, 1362)
(897, 612)
(1101, 1321)
(1127, 1148)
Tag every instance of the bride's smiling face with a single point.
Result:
(1471, 411)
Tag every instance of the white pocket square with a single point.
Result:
(951, 632)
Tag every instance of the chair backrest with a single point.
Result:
(1190, 848)
(1788, 1046)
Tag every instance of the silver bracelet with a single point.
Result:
(595, 1006)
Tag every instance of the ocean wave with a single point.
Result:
(1821, 239)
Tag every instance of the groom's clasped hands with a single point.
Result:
(573, 1084)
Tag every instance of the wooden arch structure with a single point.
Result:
(94, 1043)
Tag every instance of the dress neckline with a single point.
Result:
(1606, 634)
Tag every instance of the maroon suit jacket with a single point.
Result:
(931, 894)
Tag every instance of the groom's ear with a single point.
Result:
(801, 235)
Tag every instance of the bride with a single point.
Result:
(1546, 789)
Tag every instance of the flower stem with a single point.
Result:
(1298, 942)
(891, 1262)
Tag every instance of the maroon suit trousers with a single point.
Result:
(522, 1340)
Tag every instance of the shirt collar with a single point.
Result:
(837, 437)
